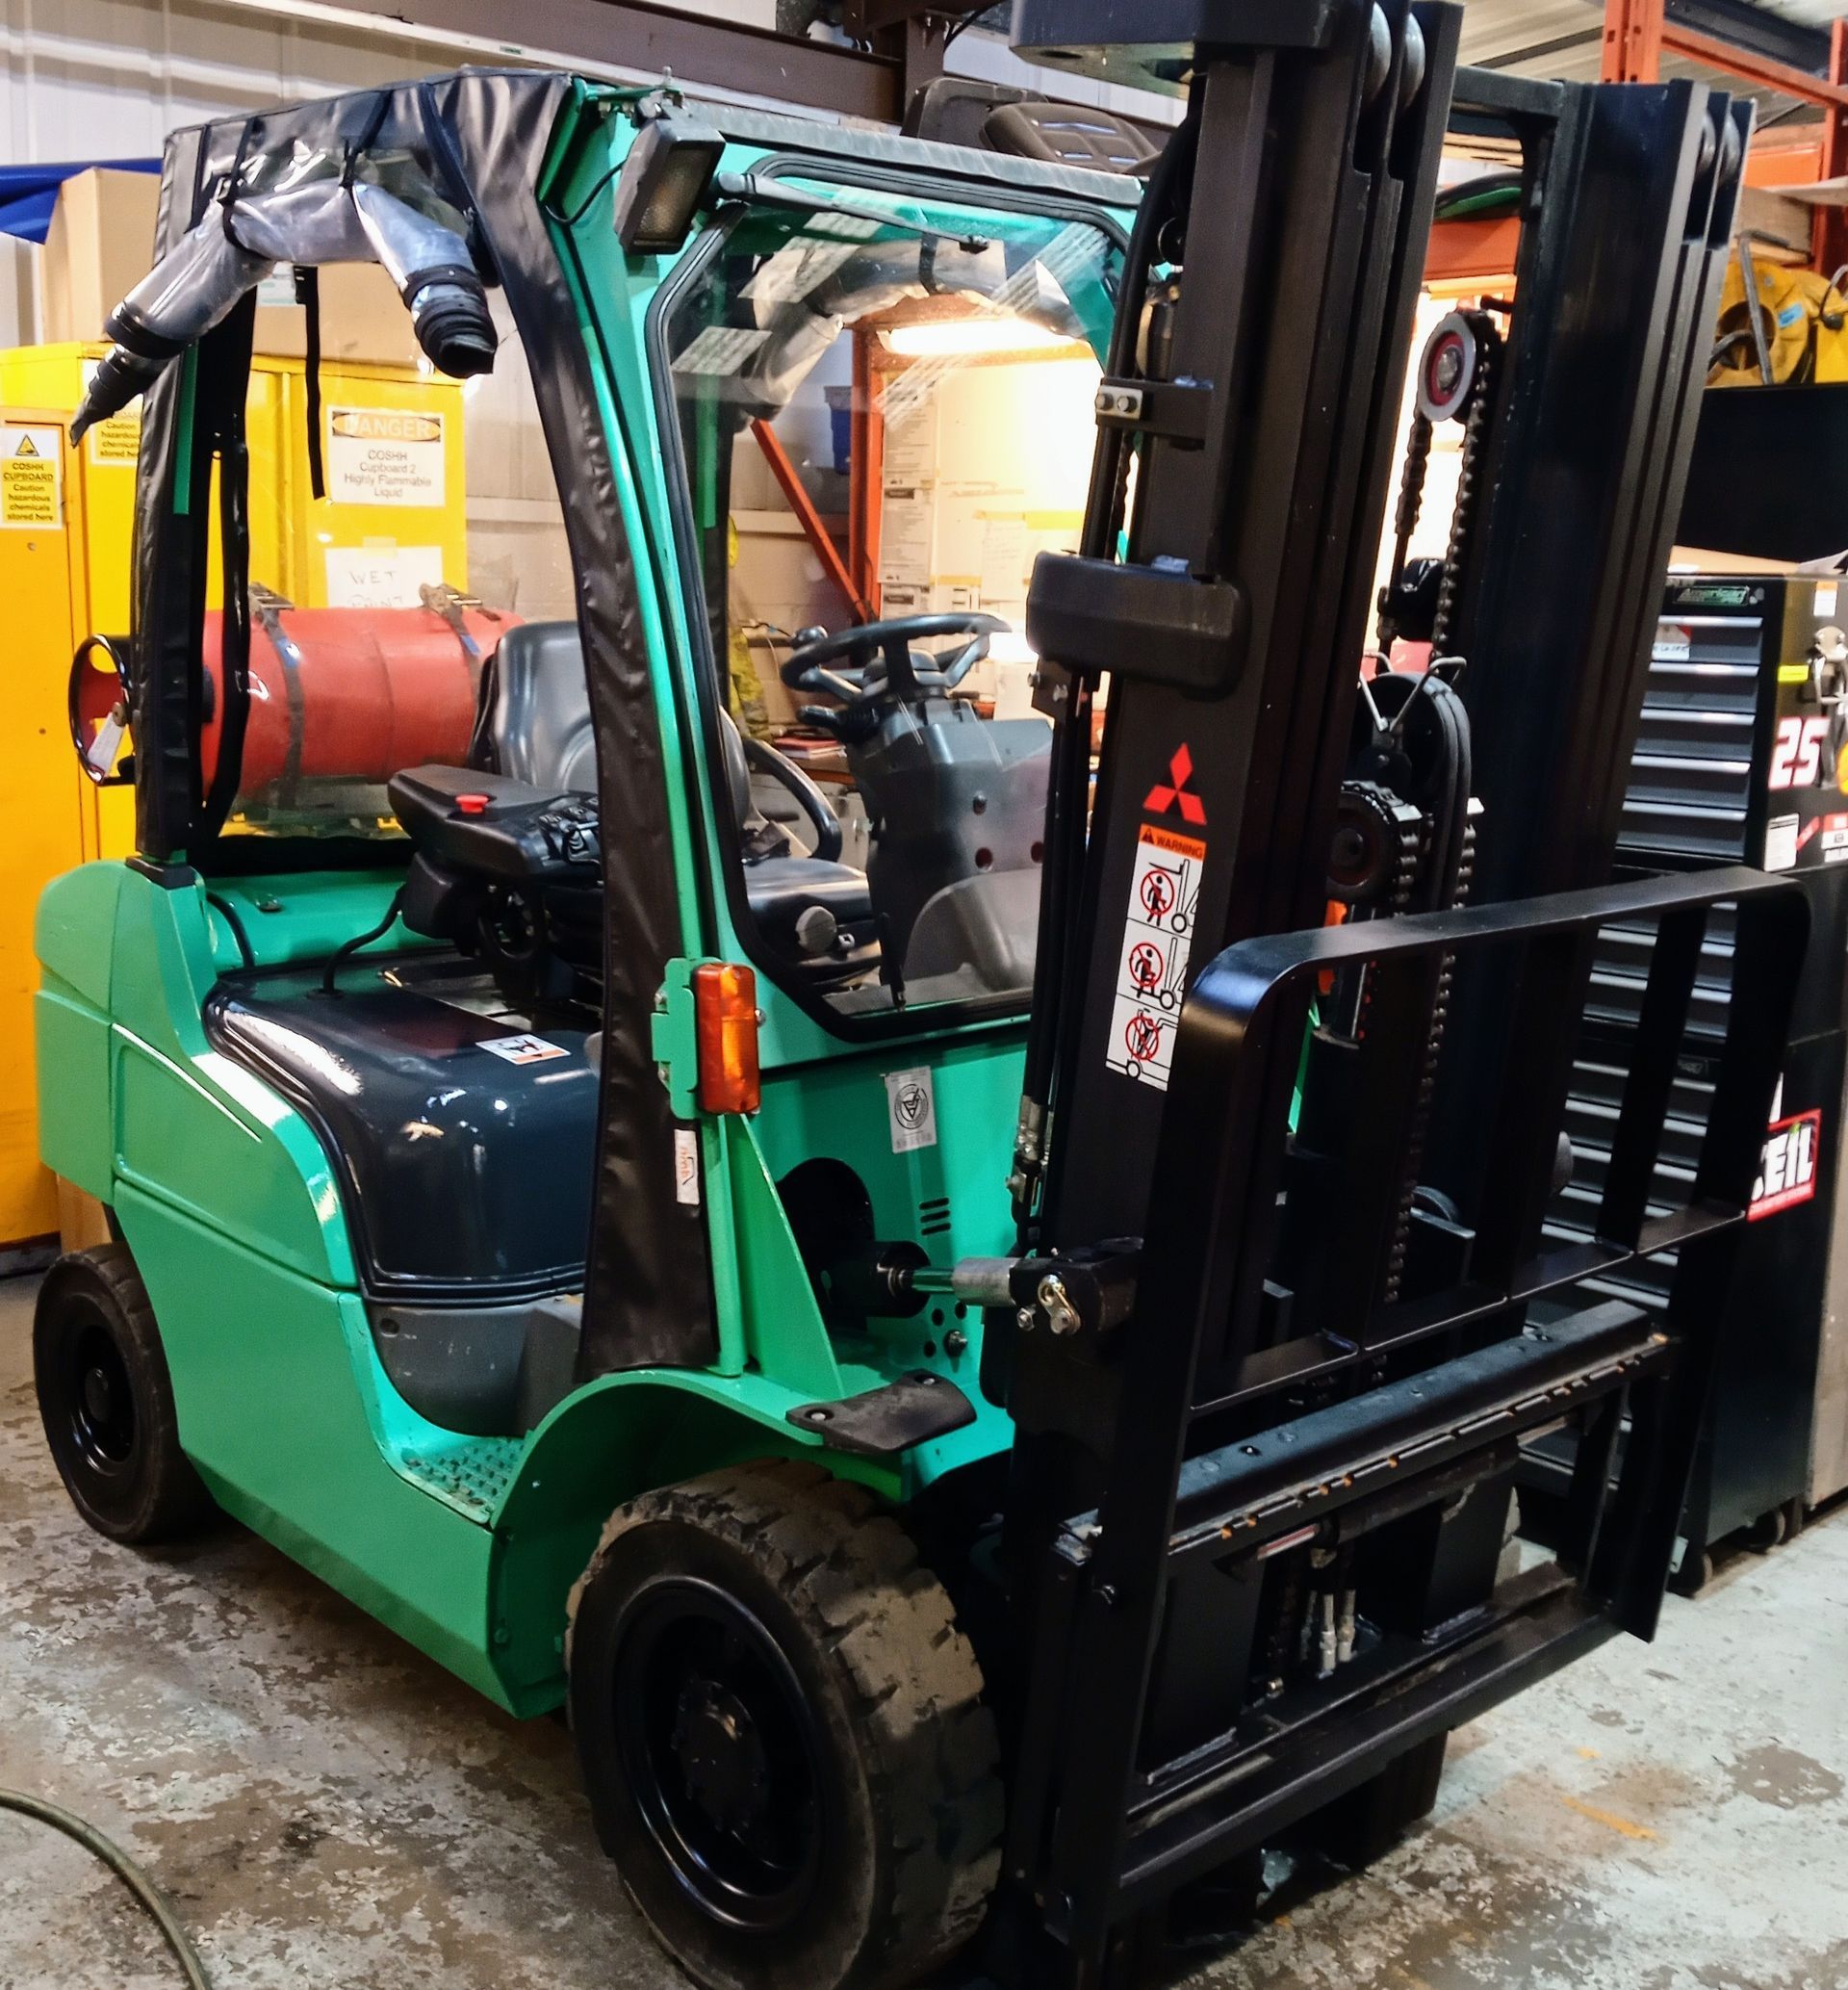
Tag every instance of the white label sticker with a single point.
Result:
(1826, 597)
(912, 1101)
(381, 577)
(32, 491)
(1151, 966)
(522, 1049)
(385, 456)
(1673, 644)
(1781, 844)
(687, 1167)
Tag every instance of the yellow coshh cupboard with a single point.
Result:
(66, 527)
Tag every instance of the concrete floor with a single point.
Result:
(331, 1812)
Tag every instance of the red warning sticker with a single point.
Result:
(1787, 1165)
(1152, 968)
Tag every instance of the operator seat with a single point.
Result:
(537, 708)
(536, 728)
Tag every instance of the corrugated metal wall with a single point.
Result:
(108, 79)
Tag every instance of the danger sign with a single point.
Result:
(384, 455)
(32, 478)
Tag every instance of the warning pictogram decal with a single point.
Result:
(1152, 968)
(1175, 793)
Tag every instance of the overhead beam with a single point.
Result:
(1739, 23)
(699, 49)
(1829, 237)
(1758, 70)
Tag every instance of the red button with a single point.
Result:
(472, 803)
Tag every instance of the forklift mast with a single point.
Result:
(1268, 1377)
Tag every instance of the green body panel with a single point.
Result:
(74, 938)
(269, 1372)
(469, 1546)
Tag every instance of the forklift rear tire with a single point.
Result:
(107, 1401)
(782, 1734)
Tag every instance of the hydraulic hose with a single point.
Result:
(149, 1896)
(348, 948)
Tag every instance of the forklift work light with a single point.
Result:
(663, 180)
(725, 1016)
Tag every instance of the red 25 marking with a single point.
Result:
(1796, 760)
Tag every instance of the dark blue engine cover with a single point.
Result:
(464, 1146)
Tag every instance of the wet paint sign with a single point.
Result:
(31, 492)
(1151, 965)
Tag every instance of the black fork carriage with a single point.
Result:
(1143, 1762)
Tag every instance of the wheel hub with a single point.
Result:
(99, 1395)
(722, 1756)
(100, 1403)
(722, 1753)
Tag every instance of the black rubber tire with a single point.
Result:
(908, 1747)
(1768, 1532)
(124, 1471)
(1693, 1574)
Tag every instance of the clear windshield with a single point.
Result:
(882, 425)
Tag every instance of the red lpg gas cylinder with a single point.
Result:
(351, 695)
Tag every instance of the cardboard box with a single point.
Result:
(362, 317)
(101, 244)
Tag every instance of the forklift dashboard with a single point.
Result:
(933, 374)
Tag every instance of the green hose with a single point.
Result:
(124, 1869)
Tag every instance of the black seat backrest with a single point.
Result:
(951, 110)
(1069, 135)
(538, 726)
(538, 722)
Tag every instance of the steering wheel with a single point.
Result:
(872, 664)
(819, 809)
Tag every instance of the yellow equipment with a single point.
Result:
(1802, 319)
(394, 518)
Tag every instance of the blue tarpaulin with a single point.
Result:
(28, 193)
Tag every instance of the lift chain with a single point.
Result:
(1469, 481)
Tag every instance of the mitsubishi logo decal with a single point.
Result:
(1175, 792)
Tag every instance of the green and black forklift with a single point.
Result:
(972, 1319)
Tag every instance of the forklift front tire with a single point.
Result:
(107, 1401)
(782, 1734)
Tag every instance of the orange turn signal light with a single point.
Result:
(725, 1016)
